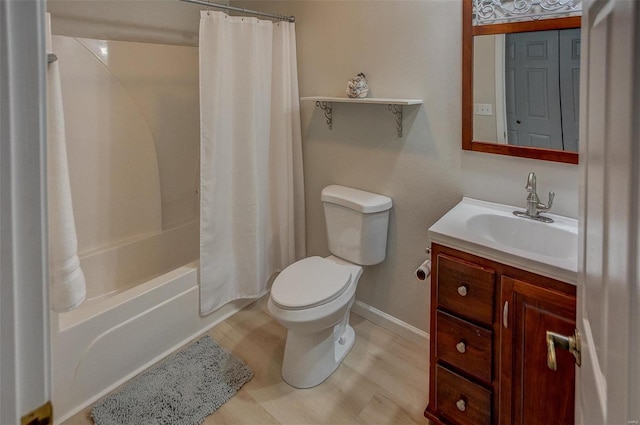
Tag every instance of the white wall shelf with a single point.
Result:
(394, 105)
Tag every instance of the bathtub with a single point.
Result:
(142, 303)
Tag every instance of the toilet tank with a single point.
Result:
(357, 224)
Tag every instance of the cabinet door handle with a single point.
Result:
(461, 347)
(505, 315)
(463, 290)
(461, 404)
(570, 343)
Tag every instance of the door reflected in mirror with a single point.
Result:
(526, 89)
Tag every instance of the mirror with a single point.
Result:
(521, 87)
(526, 88)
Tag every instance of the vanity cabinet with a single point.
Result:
(488, 359)
(532, 393)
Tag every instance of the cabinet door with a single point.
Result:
(530, 392)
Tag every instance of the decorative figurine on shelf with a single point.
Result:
(357, 86)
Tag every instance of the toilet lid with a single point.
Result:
(309, 283)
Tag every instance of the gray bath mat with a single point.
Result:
(183, 389)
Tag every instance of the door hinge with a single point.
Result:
(43, 415)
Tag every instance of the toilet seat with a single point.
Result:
(309, 283)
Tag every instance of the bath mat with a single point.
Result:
(182, 389)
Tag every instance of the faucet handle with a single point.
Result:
(544, 208)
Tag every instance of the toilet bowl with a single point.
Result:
(312, 297)
(318, 332)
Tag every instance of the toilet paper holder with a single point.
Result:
(424, 270)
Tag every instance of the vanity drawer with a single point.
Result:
(466, 289)
(461, 401)
(464, 346)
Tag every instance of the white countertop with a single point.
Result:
(490, 230)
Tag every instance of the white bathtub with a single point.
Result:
(142, 304)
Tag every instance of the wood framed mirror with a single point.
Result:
(500, 125)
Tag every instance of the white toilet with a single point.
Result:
(312, 297)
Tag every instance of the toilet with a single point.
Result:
(312, 297)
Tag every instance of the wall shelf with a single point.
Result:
(394, 105)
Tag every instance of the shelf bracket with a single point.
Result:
(396, 110)
(327, 107)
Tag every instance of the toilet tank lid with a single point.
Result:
(355, 199)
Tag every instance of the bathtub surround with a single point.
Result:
(113, 162)
(132, 123)
(183, 389)
(252, 202)
(68, 288)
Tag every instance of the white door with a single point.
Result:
(24, 329)
(532, 77)
(608, 382)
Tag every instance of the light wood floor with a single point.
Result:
(383, 380)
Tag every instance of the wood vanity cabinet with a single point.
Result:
(488, 358)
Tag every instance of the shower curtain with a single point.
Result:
(252, 198)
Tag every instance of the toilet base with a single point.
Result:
(309, 359)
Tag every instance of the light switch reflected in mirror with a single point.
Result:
(526, 89)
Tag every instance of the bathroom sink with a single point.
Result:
(492, 231)
(525, 235)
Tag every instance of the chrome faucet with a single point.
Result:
(534, 206)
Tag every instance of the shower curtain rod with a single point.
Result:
(242, 10)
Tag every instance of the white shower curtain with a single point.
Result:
(252, 198)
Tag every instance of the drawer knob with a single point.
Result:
(462, 290)
(461, 405)
(461, 347)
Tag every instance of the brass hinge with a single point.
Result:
(43, 415)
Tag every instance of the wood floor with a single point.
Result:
(383, 380)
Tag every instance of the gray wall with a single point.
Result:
(407, 49)
(400, 47)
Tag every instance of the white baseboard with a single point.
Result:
(391, 323)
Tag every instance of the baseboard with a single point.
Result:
(391, 323)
